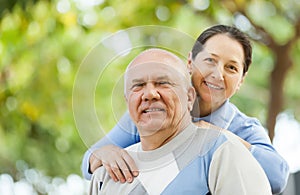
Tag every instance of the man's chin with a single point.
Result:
(151, 127)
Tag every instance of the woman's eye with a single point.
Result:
(233, 68)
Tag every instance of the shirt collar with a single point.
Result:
(222, 117)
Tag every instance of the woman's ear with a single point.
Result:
(189, 63)
(241, 82)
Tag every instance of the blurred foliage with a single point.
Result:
(42, 44)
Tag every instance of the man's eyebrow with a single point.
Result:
(137, 80)
(162, 77)
(156, 78)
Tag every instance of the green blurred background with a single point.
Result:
(42, 44)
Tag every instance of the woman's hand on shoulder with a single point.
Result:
(117, 162)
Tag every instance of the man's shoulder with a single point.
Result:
(213, 133)
(208, 139)
(134, 147)
(211, 138)
(209, 132)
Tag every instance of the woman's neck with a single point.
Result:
(202, 109)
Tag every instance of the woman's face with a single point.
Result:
(218, 70)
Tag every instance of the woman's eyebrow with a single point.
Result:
(231, 60)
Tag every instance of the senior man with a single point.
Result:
(174, 155)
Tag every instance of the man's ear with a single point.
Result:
(189, 63)
(191, 97)
(125, 97)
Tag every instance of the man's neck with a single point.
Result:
(162, 136)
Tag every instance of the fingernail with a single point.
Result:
(135, 173)
(129, 180)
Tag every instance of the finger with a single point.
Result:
(110, 172)
(125, 170)
(118, 173)
(130, 164)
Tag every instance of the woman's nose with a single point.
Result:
(218, 71)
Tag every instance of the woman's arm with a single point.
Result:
(108, 152)
(275, 167)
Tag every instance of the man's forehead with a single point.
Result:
(151, 65)
(152, 69)
(156, 61)
(156, 55)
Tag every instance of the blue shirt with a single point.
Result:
(227, 117)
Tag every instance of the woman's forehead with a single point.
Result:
(222, 45)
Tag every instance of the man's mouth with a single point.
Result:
(212, 86)
(153, 110)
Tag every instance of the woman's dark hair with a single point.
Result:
(232, 32)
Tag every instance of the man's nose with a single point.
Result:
(150, 92)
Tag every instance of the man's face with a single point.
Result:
(156, 95)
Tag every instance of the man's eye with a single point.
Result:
(163, 83)
(137, 85)
(210, 60)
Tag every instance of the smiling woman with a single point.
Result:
(217, 73)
